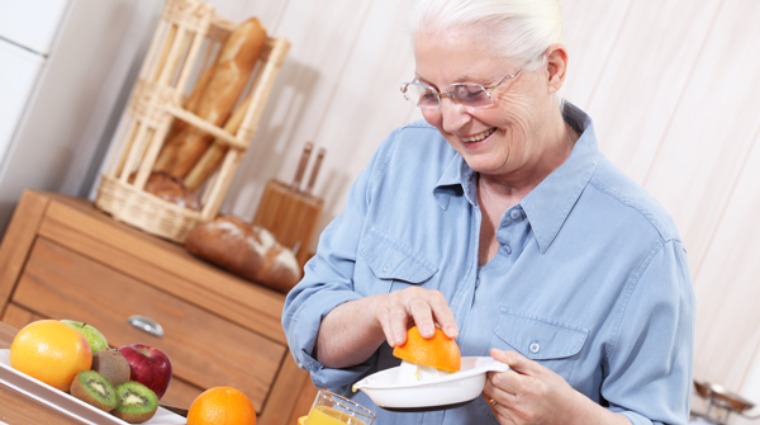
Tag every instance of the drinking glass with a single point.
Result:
(333, 409)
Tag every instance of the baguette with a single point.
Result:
(237, 58)
(169, 150)
(209, 162)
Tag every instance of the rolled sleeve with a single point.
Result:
(323, 288)
(303, 327)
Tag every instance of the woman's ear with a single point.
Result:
(556, 65)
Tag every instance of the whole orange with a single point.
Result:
(50, 351)
(439, 351)
(221, 406)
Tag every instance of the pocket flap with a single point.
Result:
(389, 259)
(540, 339)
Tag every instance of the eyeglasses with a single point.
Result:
(472, 95)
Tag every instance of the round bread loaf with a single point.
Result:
(170, 189)
(248, 251)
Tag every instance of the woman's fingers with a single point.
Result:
(514, 360)
(521, 373)
(396, 321)
(431, 310)
(528, 392)
(422, 307)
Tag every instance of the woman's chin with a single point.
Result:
(480, 163)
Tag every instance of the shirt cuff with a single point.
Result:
(302, 339)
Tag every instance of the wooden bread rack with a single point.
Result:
(183, 48)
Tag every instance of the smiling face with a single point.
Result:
(518, 136)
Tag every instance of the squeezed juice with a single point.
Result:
(324, 415)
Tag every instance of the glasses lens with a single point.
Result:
(421, 95)
(426, 97)
(470, 94)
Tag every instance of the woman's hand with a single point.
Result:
(414, 305)
(351, 332)
(531, 394)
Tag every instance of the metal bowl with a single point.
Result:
(723, 397)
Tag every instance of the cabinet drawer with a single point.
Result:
(205, 349)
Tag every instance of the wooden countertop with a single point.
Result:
(6, 335)
(17, 409)
(51, 233)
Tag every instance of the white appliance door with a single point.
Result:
(31, 24)
(18, 74)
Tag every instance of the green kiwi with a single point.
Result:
(111, 364)
(93, 388)
(137, 403)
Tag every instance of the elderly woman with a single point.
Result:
(499, 221)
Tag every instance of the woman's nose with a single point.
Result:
(453, 115)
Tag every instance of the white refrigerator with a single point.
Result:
(66, 70)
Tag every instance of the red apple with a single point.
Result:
(149, 366)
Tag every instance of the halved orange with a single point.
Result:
(439, 351)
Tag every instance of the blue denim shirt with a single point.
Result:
(591, 278)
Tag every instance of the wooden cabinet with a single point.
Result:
(62, 258)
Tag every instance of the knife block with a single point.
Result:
(291, 216)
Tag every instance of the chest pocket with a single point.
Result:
(391, 260)
(555, 345)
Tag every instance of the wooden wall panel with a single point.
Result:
(726, 288)
(368, 102)
(751, 386)
(644, 78)
(591, 30)
(713, 129)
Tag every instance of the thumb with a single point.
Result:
(513, 359)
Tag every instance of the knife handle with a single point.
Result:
(315, 170)
(302, 165)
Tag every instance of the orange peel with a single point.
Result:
(439, 351)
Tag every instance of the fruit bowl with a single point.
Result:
(391, 389)
(67, 404)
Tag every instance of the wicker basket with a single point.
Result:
(184, 45)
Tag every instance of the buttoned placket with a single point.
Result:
(463, 298)
(506, 232)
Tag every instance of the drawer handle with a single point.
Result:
(146, 325)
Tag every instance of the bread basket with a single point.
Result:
(183, 48)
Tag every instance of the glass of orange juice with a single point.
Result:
(333, 409)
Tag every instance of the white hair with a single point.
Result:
(521, 29)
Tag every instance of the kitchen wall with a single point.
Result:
(673, 89)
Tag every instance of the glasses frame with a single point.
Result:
(450, 93)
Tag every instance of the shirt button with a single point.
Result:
(507, 249)
(534, 347)
(386, 268)
(515, 214)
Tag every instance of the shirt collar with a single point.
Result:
(457, 179)
(548, 204)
